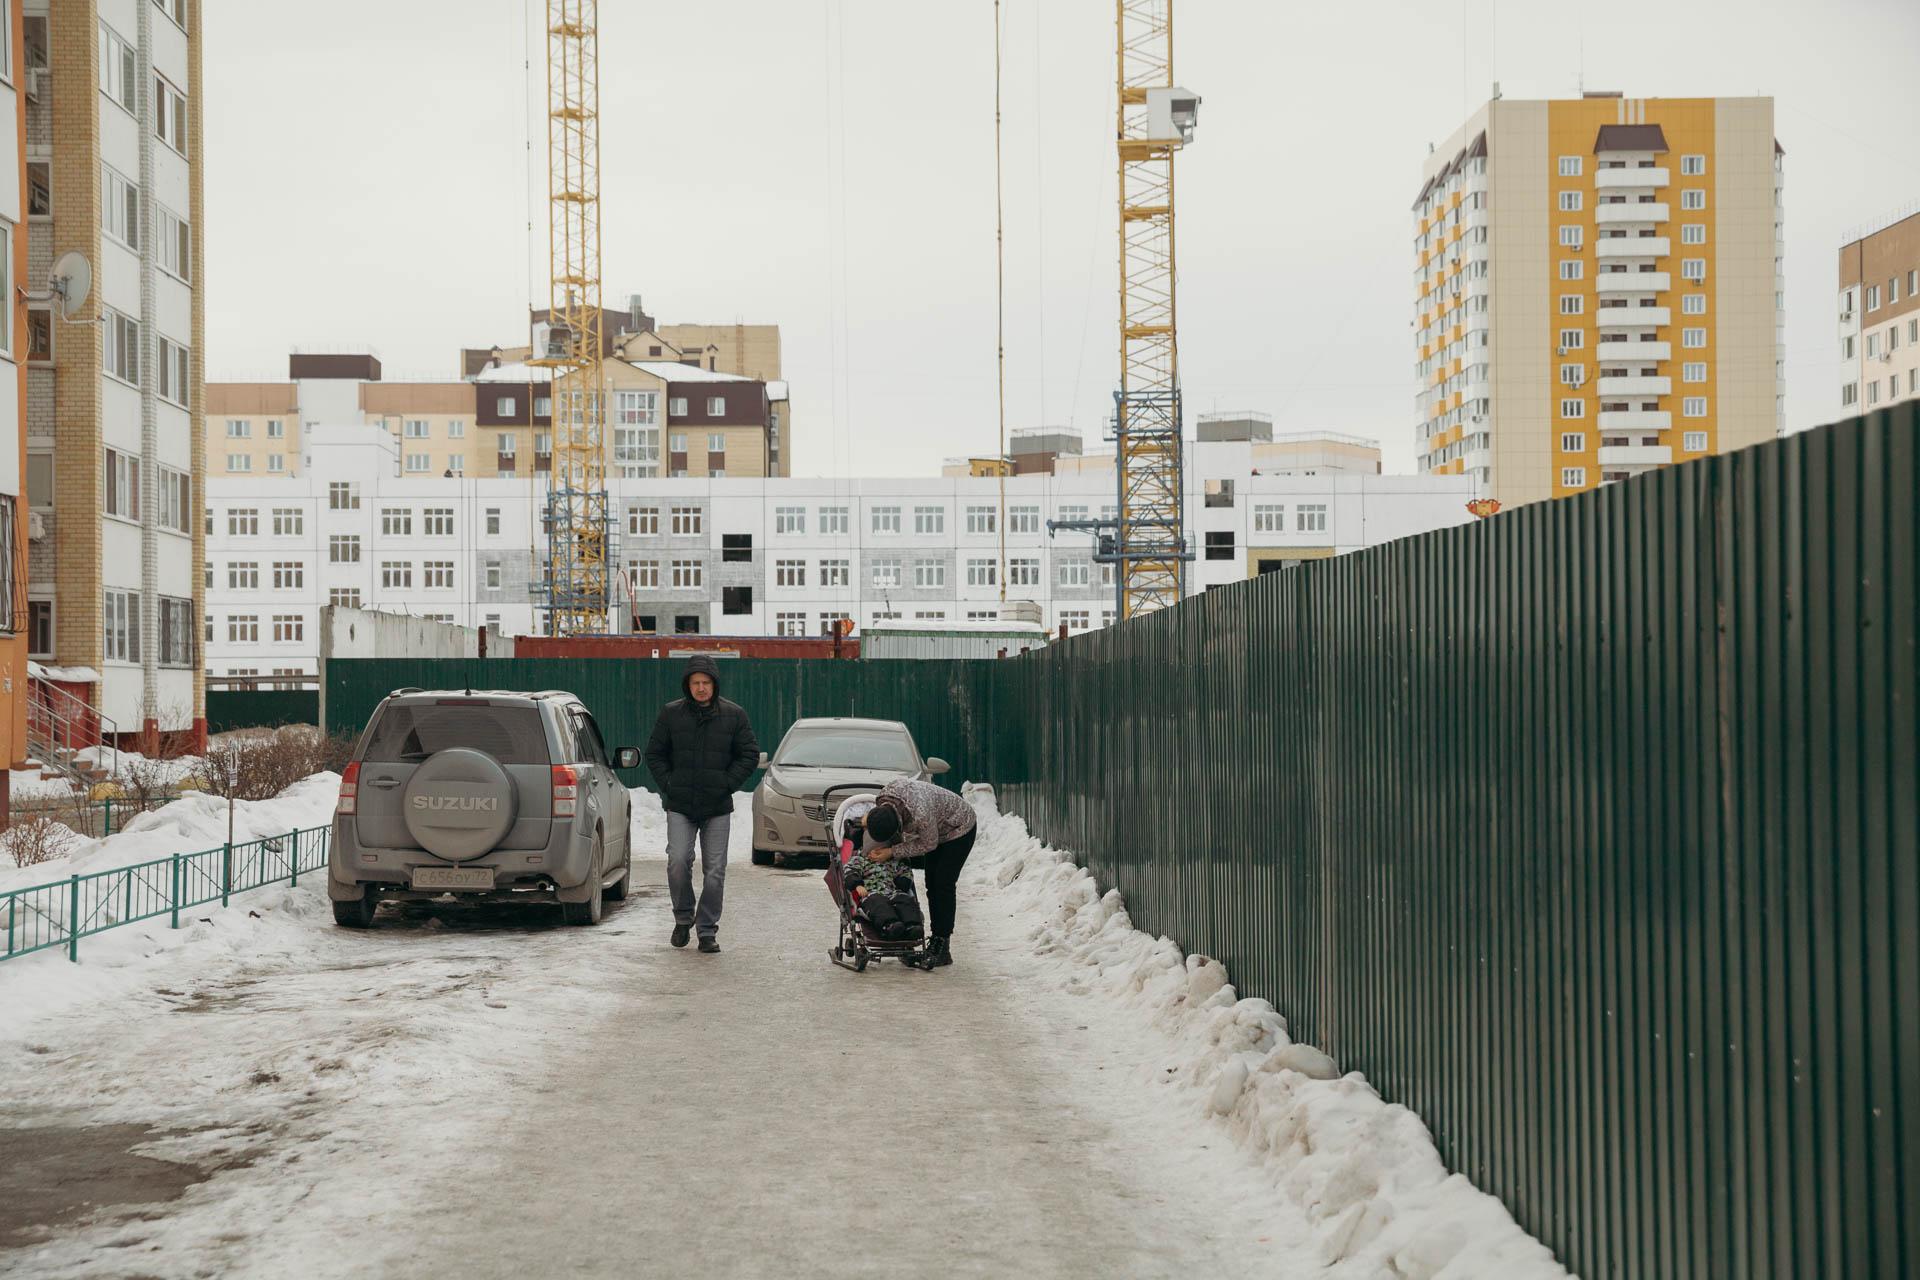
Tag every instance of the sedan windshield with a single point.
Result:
(848, 749)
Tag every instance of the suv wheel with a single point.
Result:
(357, 913)
(590, 911)
(762, 858)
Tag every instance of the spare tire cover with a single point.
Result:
(459, 804)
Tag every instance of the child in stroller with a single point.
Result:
(879, 912)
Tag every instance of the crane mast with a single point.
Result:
(570, 342)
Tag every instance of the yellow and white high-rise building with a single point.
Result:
(1598, 290)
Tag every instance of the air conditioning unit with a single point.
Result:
(36, 526)
(36, 84)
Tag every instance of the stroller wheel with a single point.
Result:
(838, 954)
(860, 959)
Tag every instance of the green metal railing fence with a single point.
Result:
(60, 913)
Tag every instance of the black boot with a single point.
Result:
(681, 932)
(939, 952)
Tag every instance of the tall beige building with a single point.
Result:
(114, 412)
(1598, 290)
(1880, 315)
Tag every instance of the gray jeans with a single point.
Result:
(713, 835)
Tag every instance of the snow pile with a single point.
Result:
(1363, 1172)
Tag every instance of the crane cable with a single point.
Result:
(1000, 287)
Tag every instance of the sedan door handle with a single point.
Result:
(385, 784)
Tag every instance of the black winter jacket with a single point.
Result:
(699, 755)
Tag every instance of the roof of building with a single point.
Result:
(675, 372)
(1629, 137)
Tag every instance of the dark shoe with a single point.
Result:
(939, 952)
(681, 932)
(710, 945)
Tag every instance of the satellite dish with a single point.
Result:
(71, 282)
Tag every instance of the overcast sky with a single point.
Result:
(827, 165)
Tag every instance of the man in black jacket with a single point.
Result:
(701, 750)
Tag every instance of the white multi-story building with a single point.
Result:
(747, 557)
(1880, 314)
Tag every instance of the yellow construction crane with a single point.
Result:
(570, 341)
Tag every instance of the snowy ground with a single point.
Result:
(483, 1092)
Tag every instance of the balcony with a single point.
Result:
(1616, 179)
(1612, 214)
(1642, 420)
(1632, 247)
(1634, 384)
(1634, 456)
(1632, 282)
(1632, 318)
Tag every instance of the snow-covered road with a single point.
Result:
(485, 1093)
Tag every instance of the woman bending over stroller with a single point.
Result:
(912, 819)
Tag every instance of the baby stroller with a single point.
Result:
(861, 940)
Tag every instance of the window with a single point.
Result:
(288, 627)
(1572, 304)
(929, 574)
(1850, 394)
(344, 597)
(1692, 166)
(437, 522)
(276, 462)
(644, 574)
(120, 211)
(1694, 371)
(736, 548)
(1573, 408)
(1023, 572)
(1693, 337)
(982, 573)
(415, 429)
(930, 615)
(1694, 269)
(176, 632)
(643, 522)
(396, 522)
(1693, 233)
(493, 522)
(835, 573)
(1694, 304)
(503, 406)
(1693, 407)
(243, 628)
(717, 408)
(1873, 344)
(1572, 237)
(833, 520)
(243, 575)
(885, 574)
(343, 548)
(736, 599)
(789, 520)
(1694, 441)
(419, 463)
(1573, 477)
(288, 522)
(289, 575)
(175, 243)
(982, 520)
(543, 406)
(1570, 202)
(1846, 347)
(1269, 518)
(686, 521)
(677, 407)
(1572, 269)
(1023, 519)
(243, 522)
(122, 626)
(121, 474)
(343, 496)
(436, 575)
(832, 622)
(1893, 338)
(1573, 442)
(170, 114)
(39, 332)
(1873, 391)
(119, 345)
(1311, 517)
(1573, 339)
(396, 575)
(688, 573)
(457, 429)
(1873, 297)
(1073, 511)
(929, 520)
(119, 73)
(886, 519)
(1573, 375)
(716, 442)
(1076, 619)
(1693, 198)
(789, 573)
(39, 188)
(1893, 290)
(1077, 573)
(176, 372)
(1570, 166)
(790, 624)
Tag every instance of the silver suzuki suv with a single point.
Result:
(488, 795)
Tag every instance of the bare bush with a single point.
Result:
(261, 766)
(34, 838)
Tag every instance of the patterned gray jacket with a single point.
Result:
(934, 815)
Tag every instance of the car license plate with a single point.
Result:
(453, 877)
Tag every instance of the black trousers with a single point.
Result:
(942, 866)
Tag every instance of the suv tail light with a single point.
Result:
(566, 790)
(349, 790)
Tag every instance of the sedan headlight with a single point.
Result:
(778, 801)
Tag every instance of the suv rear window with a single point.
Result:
(408, 734)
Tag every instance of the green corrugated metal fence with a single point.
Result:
(260, 708)
(1589, 833)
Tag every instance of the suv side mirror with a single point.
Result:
(765, 760)
(936, 766)
(627, 758)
